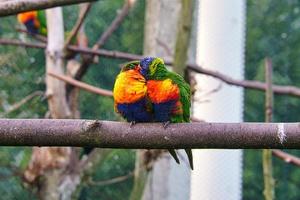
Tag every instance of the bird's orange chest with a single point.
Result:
(129, 87)
(160, 91)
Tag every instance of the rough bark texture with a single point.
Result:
(56, 92)
(269, 183)
(12, 7)
(107, 134)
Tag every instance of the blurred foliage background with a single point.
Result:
(272, 30)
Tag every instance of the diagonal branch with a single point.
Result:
(108, 134)
(12, 7)
(78, 24)
(114, 25)
(110, 181)
(257, 85)
(23, 101)
(288, 158)
(81, 85)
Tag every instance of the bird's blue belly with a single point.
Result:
(163, 111)
(135, 111)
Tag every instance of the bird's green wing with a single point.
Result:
(41, 15)
(185, 94)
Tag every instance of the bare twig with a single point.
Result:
(286, 157)
(110, 181)
(81, 85)
(267, 153)
(12, 7)
(107, 134)
(78, 24)
(257, 85)
(114, 25)
(23, 101)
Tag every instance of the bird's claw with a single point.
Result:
(166, 124)
(132, 123)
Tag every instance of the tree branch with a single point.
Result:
(107, 134)
(288, 158)
(23, 101)
(257, 85)
(78, 24)
(81, 85)
(12, 7)
(114, 25)
(110, 181)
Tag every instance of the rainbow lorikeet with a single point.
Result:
(168, 93)
(34, 21)
(130, 94)
(130, 97)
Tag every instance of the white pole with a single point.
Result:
(220, 46)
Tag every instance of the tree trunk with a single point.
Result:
(47, 164)
(56, 92)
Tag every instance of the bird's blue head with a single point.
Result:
(145, 63)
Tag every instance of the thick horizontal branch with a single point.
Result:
(257, 85)
(107, 134)
(82, 85)
(12, 7)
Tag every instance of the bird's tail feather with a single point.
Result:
(190, 157)
(174, 155)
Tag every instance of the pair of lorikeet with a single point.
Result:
(146, 91)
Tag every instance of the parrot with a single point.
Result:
(130, 94)
(130, 97)
(34, 21)
(169, 94)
